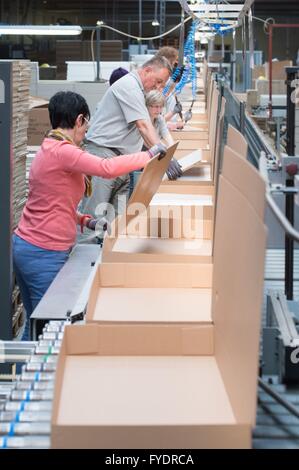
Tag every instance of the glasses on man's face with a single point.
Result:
(86, 121)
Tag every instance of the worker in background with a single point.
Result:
(155, 102)
(117, 74)
(121, 125)
(47, 230)
(172, 105)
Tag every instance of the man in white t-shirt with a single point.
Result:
(120, 125)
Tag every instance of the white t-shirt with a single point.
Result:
(161, 127)
(113, 124)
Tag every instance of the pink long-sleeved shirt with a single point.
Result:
(56, 185)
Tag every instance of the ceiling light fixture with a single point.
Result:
(50, 30)
(155, 21)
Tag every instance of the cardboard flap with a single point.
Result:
(245, 178)
(148, 184)
(239, 253)
(81, 340)
(218, 139)
(146, 187)
(151, 275)
(236, 141)
(138, 340)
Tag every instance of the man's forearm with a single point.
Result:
(148, 132)
(168, 116)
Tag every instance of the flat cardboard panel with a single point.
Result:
(117, 397)
(245, 178)
(239, 252)
(149, 182)
(192, 144)
(185, 187)
(190, 134)
(200, 173)
(39, 124)
(188, 161)
(152, 305)
(182, 153)
(236, 141)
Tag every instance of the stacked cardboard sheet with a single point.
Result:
(20, 110)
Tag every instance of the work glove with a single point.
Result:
(178, 108)
(91, 224)
(174, 170)
(187, 115)
(101, 226)
(156, 149)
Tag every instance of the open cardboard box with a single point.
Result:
(128, 242)
(208, 143)
(206, 170)
(144, 386)
(174, 215)
(151, 294)
(126, 388)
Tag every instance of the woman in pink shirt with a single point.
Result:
(57, 181)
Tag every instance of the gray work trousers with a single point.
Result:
(109, 196)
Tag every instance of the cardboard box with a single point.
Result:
(154, 295)
(39, 121)
(278, 69)
(135, 400)
(123, 245)
(181, 216)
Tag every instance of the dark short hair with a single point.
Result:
(64, 108)
(117, 74)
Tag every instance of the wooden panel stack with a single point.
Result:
(20, 112)
(20, 116)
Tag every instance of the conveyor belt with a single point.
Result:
(277, 428)
(25, 407)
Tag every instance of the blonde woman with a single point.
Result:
(155, 103)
